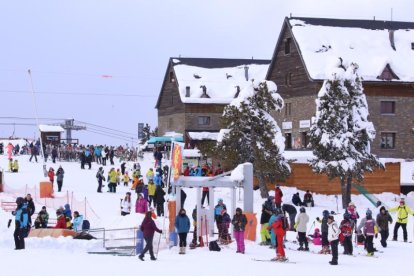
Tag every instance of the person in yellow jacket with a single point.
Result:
(151, 192)
(15, 166)
(126, 179)
(112, 177)
(150, 175)
(402, 218)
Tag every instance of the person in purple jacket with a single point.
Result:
(148, 228)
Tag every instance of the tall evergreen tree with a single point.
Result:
(252, 135)
(341, 136)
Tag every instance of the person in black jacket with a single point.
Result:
(383, 220)
(267, 210)
(291, 210)
(296, 200)
(239, 222)
(159, 200)
(30, 207)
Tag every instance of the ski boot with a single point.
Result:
(301, 248)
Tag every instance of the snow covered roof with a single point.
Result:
(384, 50)
(203, 135)
(50, 128)
(213, 80)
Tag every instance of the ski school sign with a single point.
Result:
(177, 161)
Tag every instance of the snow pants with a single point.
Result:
(303, 239)
(272, 237)
(325, 241)
(334, 249)
(59, 183)
(239, 236)
(264, 233)
(384, 237)
(183, 239)
(19, 238)
(369, 243)
(348, 248)
(279, 249)
(148, 246)
(404, 227)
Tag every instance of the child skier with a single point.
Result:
(126, 179)
(224, 227)
(279, 227)
(346, 227)
(370, 229)
(324, 227)
(333, 235)
(316, 237)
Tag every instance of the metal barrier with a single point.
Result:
(8, 206)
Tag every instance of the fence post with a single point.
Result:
(67, 197)
(25, 191)
(71, 202)
(85, 208)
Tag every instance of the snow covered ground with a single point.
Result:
(65, 256)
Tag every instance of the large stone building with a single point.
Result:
(196, 90)
(308, 48)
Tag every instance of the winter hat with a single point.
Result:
(382, 208)
(317, 230)
(331, 217)
(302, 210)
(368, 212)
(351, 204)
(220, 200)
(325, 213)
(238, 210)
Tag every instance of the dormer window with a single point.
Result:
(288, 41)
(388, 74)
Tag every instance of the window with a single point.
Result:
(203, 120)
(387, 107)
(288, 109)
(388, 140)
(288, 140)
(287, 45)
(172, 78)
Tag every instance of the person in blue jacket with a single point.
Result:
(77, 221)
(67, 212)
(182, 224)
(157, 179)
(22, 223)
(274, 217)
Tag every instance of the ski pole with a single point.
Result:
(159, 239)
(313, 224)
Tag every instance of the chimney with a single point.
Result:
(246, 72)
(187, 91)
(391, 36)
(204, 95)
(412, 45)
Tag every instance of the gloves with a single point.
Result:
(8, 224)
(376, 235)
(317, 218)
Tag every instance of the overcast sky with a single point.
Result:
(73, 46)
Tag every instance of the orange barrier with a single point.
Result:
(250, 230)
(50, 232)
(46, 189)
(171, 215)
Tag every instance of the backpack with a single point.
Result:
(86, 225)
(213, 246)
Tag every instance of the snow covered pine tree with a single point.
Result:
(252, 135)
(341, 135)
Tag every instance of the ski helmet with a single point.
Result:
(325, 213)
(302, 210)
(369, 212)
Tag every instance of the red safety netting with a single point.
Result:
(55, 202)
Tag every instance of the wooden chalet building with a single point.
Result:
(196, 90)
(308, 49)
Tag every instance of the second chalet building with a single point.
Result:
(309, 48)
(196, 90)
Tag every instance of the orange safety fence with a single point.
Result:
(54, 202)
(171, 215)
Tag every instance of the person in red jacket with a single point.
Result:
(278, 197)
(279, 227)
(61, 220)
(148, 228)
(51, 174)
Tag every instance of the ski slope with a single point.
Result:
(65, 256)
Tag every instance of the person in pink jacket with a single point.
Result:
(141, 205)
(9, 148)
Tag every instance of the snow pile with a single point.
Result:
(203, 135)
(407, 173)
(321, 46)
(237, 174)
(50, 128)
(221, 84)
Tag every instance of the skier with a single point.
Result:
(30, 207)
(300, 226)
(126, 179)
(100, 177)
(33, 152)
(354, 216)
(324, 228)
(123, 167)
(51, 175)
(370, 229)
(21, 223)
(54, 154)
(148, 228)
(151, 193)
(59, 178)
(383, 219)
(159, 200)
(291, 210)
(103, 154)
(333, 235)
(267, 208)
(402, 218)
(316, 237)
(308, 199)
(126, 205)
(112, 175)
(296, 200)
(141, 205)
(278, 196)
(224, 222)
(279, 227)
(347, 227)
(15, 166)
(9, 149)
(150, 175)
(239, 222)
(217, 214)
(182, 224)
